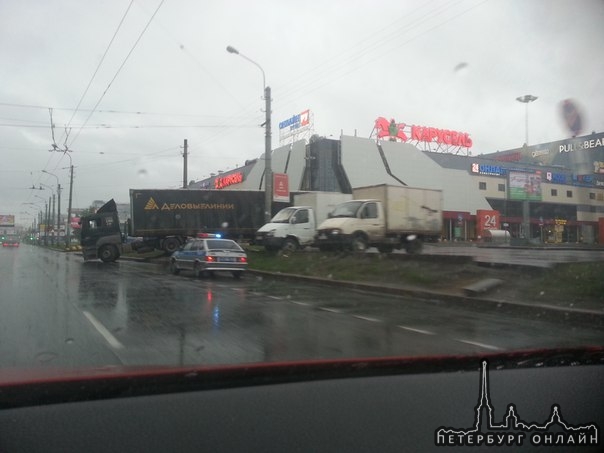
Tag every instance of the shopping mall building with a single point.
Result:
(552, 192)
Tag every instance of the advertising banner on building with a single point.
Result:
(280, 187)
(296, 124)
(7, 221)
(525, 186)
(220, 182)
(581, 155)
(436, 137)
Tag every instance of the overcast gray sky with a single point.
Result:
(347, 61)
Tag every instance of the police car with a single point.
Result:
(208, 253)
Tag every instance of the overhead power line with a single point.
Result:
(112, 111)
(98, 66)
(133, 126)
(117, 72)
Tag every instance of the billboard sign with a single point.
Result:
(402, 132)
(280, 187)
(294, 125)
(228, 180)
(578, 154)
(525, 186)
(7, 220)
(487, 169)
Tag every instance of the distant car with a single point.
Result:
(10, 242)
(203, 256)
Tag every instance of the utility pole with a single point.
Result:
(268, 172)
(47, 221)
(53, 219)
(68, 226)
(58, 212)
(184, 173)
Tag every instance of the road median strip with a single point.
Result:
(543, 311)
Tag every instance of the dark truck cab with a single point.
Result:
(101, 236)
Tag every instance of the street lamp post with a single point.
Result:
(68, 226)
(526, 221)
(41, 219)
(58, 201)
(46, 220)
(36, 205)
(268, 173)
(51, 213)
(66, 152)
(526, 99)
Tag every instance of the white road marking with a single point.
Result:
(367, 318)
(331, 310)
(276, 297)
(113, 342)
(304, 304)
(480, 345)
(411, 329)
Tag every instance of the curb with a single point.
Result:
(591, 318)
(554, 313)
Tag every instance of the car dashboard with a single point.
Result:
(390, 404)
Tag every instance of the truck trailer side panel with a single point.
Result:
(407, 208)
(183, 212)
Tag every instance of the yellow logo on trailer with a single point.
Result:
(151, 204)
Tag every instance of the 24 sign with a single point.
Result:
(488, 220)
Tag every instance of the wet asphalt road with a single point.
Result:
(57, 311)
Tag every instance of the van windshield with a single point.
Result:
(348, 209)
(283, 216)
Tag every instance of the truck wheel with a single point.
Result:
(385, 248)
(289, 246)
(171, 245)
(108, 253)
(414, 247)
(358, 244)
(173, 268)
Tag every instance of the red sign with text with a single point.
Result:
(401, 131)
(280, 187)
(228, 180)
(487, 220)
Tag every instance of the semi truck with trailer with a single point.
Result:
(384, 216)
(164, 218)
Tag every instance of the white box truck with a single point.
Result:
(295, 227)
(383, 216)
